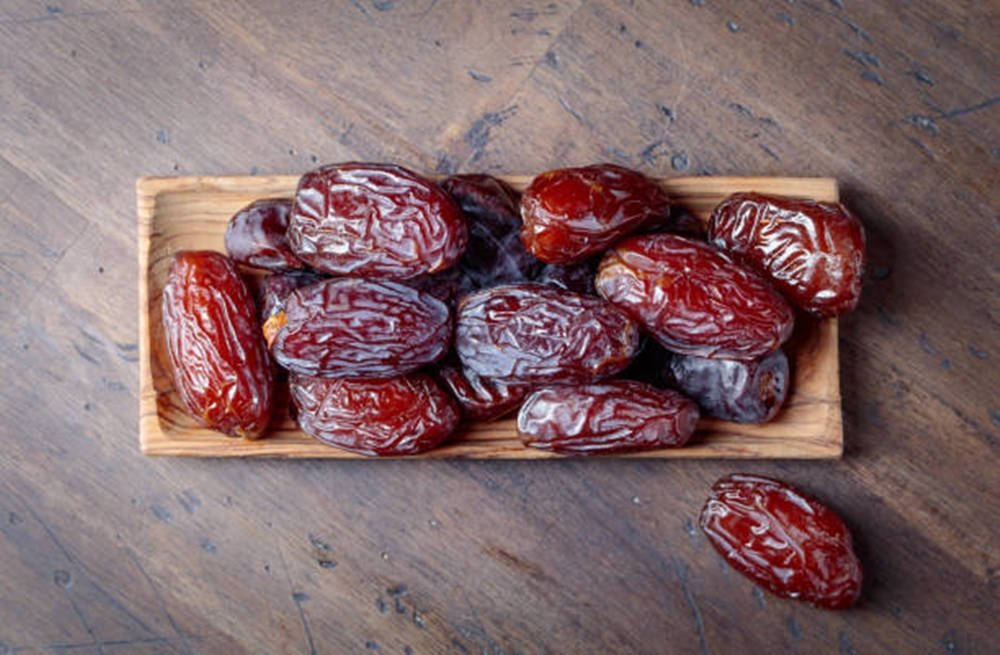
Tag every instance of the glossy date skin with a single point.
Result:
(783, 540)
(375, 220)
(693, 298)
(257, 235)
(572, 214)
(358, 328)
(535, 334)
(813, 252)
(742, 391)
(608, 417)
(218, 360)
(404, 415)
(481, 399)
(495, 254)
(273, 293)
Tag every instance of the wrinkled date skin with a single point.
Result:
(693, 298)
(609, 417)
(813, 252)
(403, 415)
(572, 214)
(742, 391)
(256, 235)
(481, 399)
(273, 293)
(536, 334)
(355, 328)
(375, 220)
(495, 254)
(220, 366)
(784, 541)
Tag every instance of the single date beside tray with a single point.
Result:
(183, 213)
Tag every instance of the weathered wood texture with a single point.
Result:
(191, 213)
(106, 551)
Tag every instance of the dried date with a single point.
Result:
(813, 252)
(396, 416)
(535, 334)
(375, 220)
(693, 298)
(356, 328)
(572, 214)
(273, 293)
(219, 363)
(256, 235)
(481, 399)
(495, 254)
(608, 417)
(783, 540)
(743, 391)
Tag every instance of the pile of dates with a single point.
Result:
(398, 307)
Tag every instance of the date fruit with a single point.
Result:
(535, 334)
(481, 399)
(495, 254)
(273, 293)
(256, 235)
(608, 417)
(693, 298)
(220, 365)
(783, 540)
(375, 220)
(743, 391)
(813, 252)
(572, 214)
(357, 328)
(403, 415)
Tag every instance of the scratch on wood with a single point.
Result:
(83, 353)
(569, 108)
(786, 18)
(480, 77)
(872, 76)
(298, 598)
(925, 122)
(160, 601)
(679, 570)
(968, 110)
(770, 152)
(845, 645)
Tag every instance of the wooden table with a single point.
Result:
(106, 551)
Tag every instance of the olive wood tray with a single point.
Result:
(179, 213)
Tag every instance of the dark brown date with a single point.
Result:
(693, 298)
(536, 334)
(575, 277)
(273, 293)
(813, 252)
(220, 366)
(572, 214)
(481, 399)
(783, 540)
(375, 220)
(355, 328)
(256, 235)
(495, 254)
(447, 286)
(403, 415)
(609, 417)
(742, 391)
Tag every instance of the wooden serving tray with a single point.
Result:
(180, 213)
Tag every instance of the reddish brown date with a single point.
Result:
(693, 298)
(355, 328)
(273, 293)
(375, 220)
(388, 417)
(608, 417)
(535, 334)
(813, 252)
(495, 254)
(256, 235)
(742, 391)
(572, 214)
(481, 399)
(220, 366)
(786, 542)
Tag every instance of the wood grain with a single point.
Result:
(192, 213)
(105, 551)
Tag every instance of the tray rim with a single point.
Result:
(149, 188)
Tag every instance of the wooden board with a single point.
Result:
(178, 213)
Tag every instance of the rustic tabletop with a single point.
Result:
(106, 551)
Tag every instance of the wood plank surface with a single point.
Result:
(191, 213)
(105, 551)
